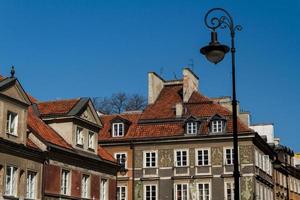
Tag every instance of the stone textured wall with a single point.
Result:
(216, 155)
(247, 188)
(165, 157)
(246, 154)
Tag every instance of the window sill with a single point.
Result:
(91, 149)
(11, 197)
(79, 145)
(12, 134)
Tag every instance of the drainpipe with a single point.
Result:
(132, 147)
(45, 162)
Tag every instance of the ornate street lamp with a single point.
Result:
(215, 53)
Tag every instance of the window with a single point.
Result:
(266, 162)
(256, 158)
(229, 190)
(118, 129)
(150, 159)
(150, 192)
(91, 140)
(229, 156)
(79, 136)
(104, 189)
(31, 185)
(121, 159)
(203, 191)
(121, 193)
(85, 186)
(217, 126)
(191, 128)
(12, 123)
(11, 181)
(181, 191)
(203, 157)
(181, 159)
(65, 182)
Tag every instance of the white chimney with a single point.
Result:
(179, 109)
(155, 85)
(190, 84)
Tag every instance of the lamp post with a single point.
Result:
(215, 52)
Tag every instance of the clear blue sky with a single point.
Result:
(64, 49)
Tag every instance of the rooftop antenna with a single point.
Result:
(191, 64)
(12, 72)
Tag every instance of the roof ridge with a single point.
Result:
(52, 101)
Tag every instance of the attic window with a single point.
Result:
(118, 129)
(191, 128)
(12, 123)
(217, 126)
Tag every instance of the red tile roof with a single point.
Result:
(162, 116)
(38, 126)
(102, 153)
(57, 107)
(1, 78)
(30, 144)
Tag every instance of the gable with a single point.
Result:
(90, 114)
(15, 91)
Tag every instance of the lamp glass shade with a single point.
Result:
(214, 52)
(215, 56)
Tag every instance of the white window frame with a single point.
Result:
(65, 182)
(231, 182)
(181, 161)
(118, 132)
(31, 184)
(12, 120)
(203, 192)
(119, 189)
(231, 156)
(217, 123)
(85, 186)
(11, 188)
(91, 140)
(151, 159)
(197, 156)
(79, 136)
(187, 191)
(256, 156)
(104, 189)
(121, 153)
(145, 191)
(191, 128)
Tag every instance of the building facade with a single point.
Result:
(49, 150)
(180, 147)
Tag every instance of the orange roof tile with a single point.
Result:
(164, 108)
(56, 107)
(30, 144)
(102, 153)
(36, 125)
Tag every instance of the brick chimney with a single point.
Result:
(190, 84)
(155, 85)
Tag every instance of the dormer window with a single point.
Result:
(191, 128)
(118, 129)
(217, 126)
(79, 136)
(12, 123)
(91, 139)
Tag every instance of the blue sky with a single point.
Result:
(65, 49)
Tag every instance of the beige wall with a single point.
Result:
(6, 106)
(22, 165)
